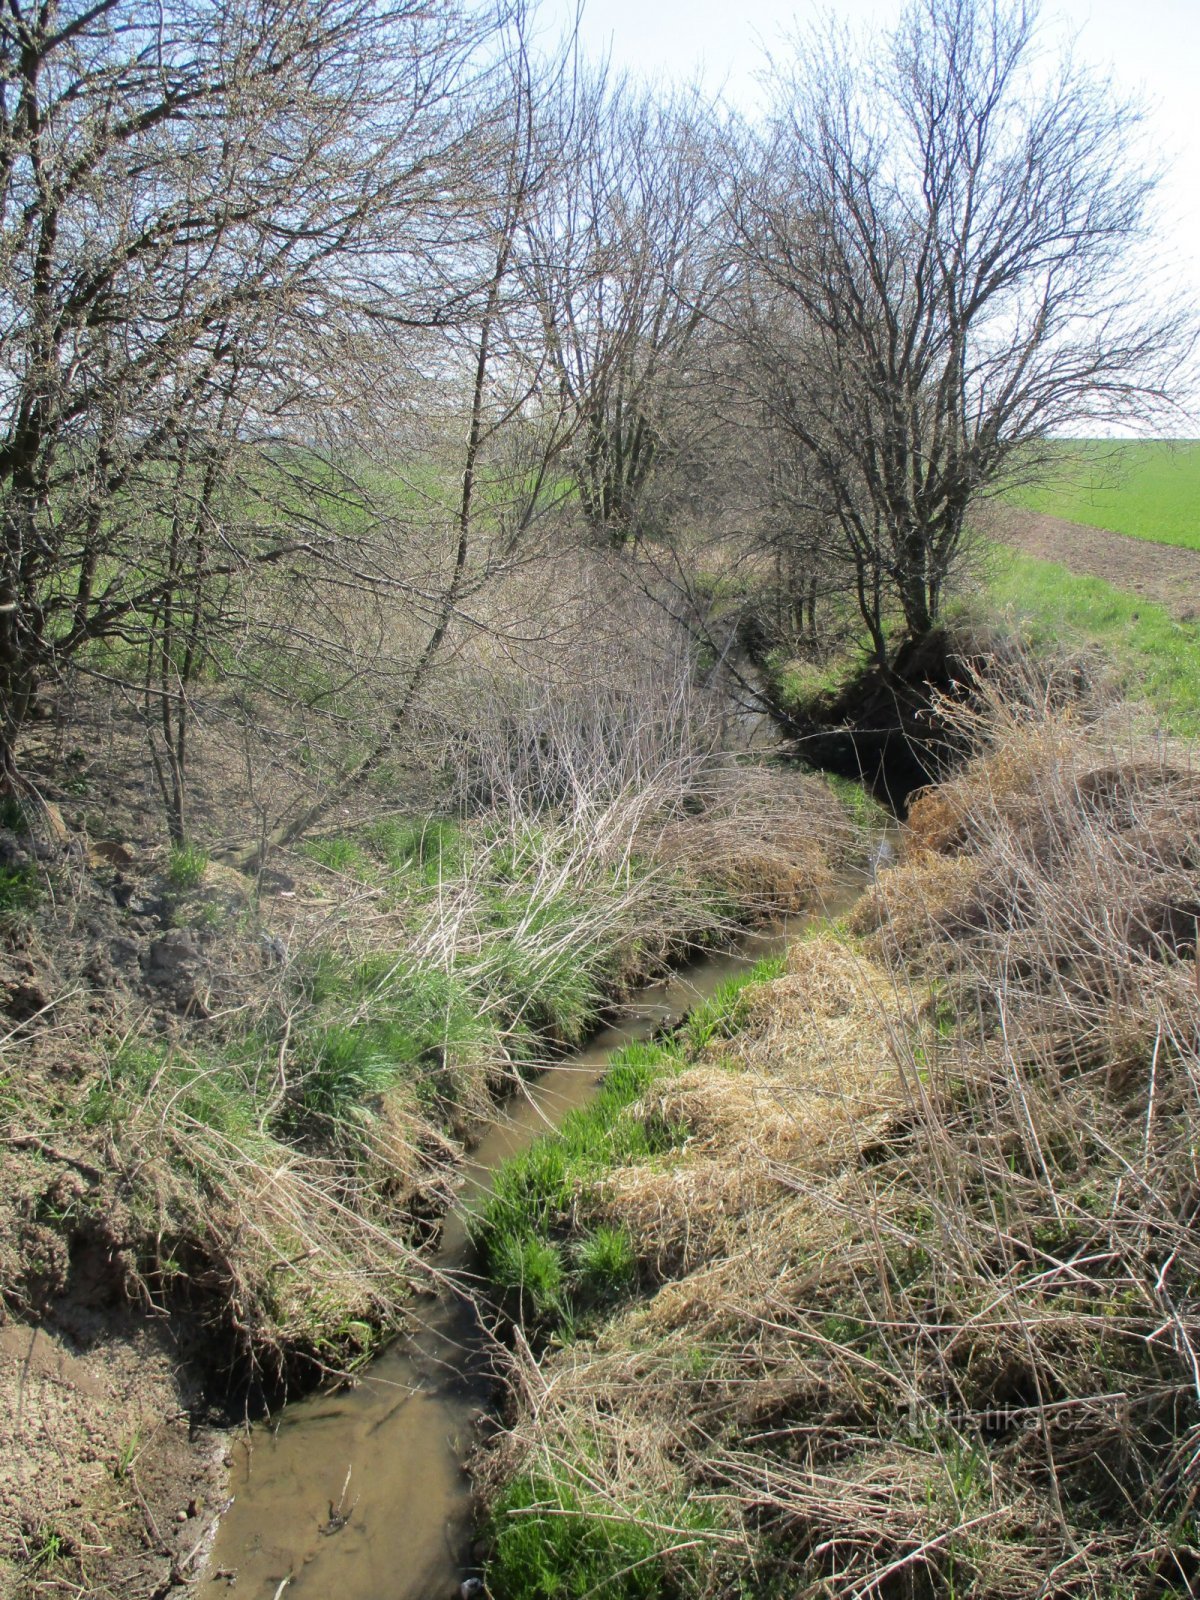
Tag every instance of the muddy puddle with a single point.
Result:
(361, 1494)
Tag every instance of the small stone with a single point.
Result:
(173, 949)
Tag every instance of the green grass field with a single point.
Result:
(1149, 488)
(1157, 657)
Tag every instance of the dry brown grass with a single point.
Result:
(806, 1080)
(933, 1326)
(770, 839)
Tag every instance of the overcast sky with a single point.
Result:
(1151, 48)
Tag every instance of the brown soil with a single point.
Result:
(1163, 573)
(106, 1490)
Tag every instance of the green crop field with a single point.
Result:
(1149, 488)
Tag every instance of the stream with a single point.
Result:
(360, 1494)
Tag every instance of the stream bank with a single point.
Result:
(363, 1492)
(884, 729)
(912, 725)
(912, 1266)
(249, 1155)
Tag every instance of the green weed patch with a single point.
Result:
(551, 1274)
(858, 803)
(553, 1541)
(723, 1013)
(205, 1092)
(187, 865)
(19, 890)
(432, 847)
(337, 853)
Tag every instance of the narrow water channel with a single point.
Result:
(361, 1494)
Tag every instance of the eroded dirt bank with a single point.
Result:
(104, 1470)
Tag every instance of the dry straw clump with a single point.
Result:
(799, 1084)
(933, 1326)
(770, 840)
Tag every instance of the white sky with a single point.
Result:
(1151, 49)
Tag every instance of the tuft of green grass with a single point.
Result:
(374, 1023)
(1158, 656)
(723, 1013)
(860, 806)
(551, 985)
(605, 1264)
(551, 1541)
(19, 890)
(433, 847)
(523, 1232)
(127, 1455)
(337, 853)
(1147, 488)
(48, 1545)
(339, 1069)
(211, 1092)
(530, 1269)
(187, 865)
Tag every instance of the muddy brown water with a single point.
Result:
(361, 1494)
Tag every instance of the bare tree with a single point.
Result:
(505, 423)
(936, 239)
(623, 256)
(209, 215)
